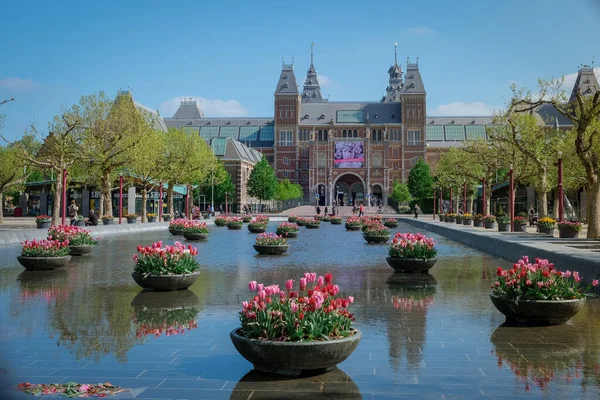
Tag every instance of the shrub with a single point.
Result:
(502, 219)
(131, 216)
(574, 226)
(270, 239)
(538, 281)
(45, 248)
(467, 217)
(107, 217)
(167, 260)
(308, 314)
(478, 217)
(151, 215)
(409, 245)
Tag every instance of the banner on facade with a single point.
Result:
(349, 154)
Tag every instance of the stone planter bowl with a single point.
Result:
(335, 222)
(411, 264)
(166, 282)
(477, 223)
(271, 249)
(195, 236)
(176, 231)
(489, 225)
(81, 250)
(294, 358)
(246, 219)
(256, 230)
(520, 227)
(132, 220)
(567, 233)
(220, 223)
(108, 221)
(235, 227)
(503, 227)
(467, 222)
(300, 223)
(312, 226)
(43, 263)
(538, 312)
(353, 227)
(391, 224)
(43, 225)
(376, 239)
(550, 232)
(287, 234)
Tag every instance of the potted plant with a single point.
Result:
(537, 293)
(131, 218)
(520, 224)
(43, 221)
(257, 227)
(44, 254)
(467, 219)
(391, 222)
(292, 218)
(80, 221)
(503, 222)
(568, 229)
(318, 218)
(234, 223)
(336, 220)
(262, 218)
(80, 240)
(247, 218)
(163, 268)
(412, 253)
(311, 336)
(326, 218)
(108, 219)
(151, 217)
(312, 223)
(167, 217)
(376, 233)
(176, 226)
(546, 225)
(287, 230)
(270, 243)
(451, 218)
(221, 220)
(489, 221)
(195, 230)
(301, 221)
(478, 220)
(353, 224)
(458, 219)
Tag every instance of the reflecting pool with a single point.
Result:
(425, 336)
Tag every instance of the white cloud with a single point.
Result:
(464, 109)
(18, 84)
(421, 31)
(211, 107)
(326, 81)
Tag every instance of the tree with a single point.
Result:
(584, 112)
(400, 192)
(262, 182)
(225, 186)
(11, 173)
(420, 181)
(287, 191)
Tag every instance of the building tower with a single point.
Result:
(312, 91)
(287, 108)
(414, 111)
(394, 88)
(586, 83)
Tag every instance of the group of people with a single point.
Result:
(72, 211)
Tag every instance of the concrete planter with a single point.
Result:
(176, 232)
(287, 234)
(538, 312)
(391, 224)
(300, 223)
(166, 282)
(335, 222)
(151, 219)
(254, 229)
(246, 219)
(520, 227)
(166, 219)
(353, 227)
(489, 225)
(549, 231)
(502, 227)
(220, 222)
(292, 219)
(235, 227)
(294, 358)
(43, 263)
(467, 222)
(411, 264)
(43, 225)
(195, 236)
(376, 239)
(81, 250)
(108, 221)
(274, 250)
(451, 219)
(567, 233)
(132, 220)
(458, 221)
(312, 226)
(477, 223)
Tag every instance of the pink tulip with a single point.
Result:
(262, 294)
(351, 299)
(289, 284)
(321, 281)
(336, 289)
(576, 276)
(245, 304)
(595, 282)
(294, 306)
(302, 283)
(282, 295)
(260, 287)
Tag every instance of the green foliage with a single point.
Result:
(400, 192)
(420, 181)
(287, 191)
(262, 183)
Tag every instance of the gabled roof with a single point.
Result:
(287, 81)
(586, 83)
(412, 80)
(188, 109)
(228, 149)
(463, 120)
(355, 113)
(157, 121)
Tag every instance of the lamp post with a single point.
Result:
(187, 202)
(434, 203)
(464, 198)
(451, 209)
(212, 193)
(226, 208)
(441, 200)
(120, 198)
(511, 197)
(160, 204)
(561, 206)
(483, 200)
(64, 196)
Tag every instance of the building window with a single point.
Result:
(434, 132)
(323, 135)
(304, 152)
(395, 135)
(377, 135)
(355, 133)
(349, 116)
(285, 138)
(303, 164)
(286, 161)
(414, 138)
(395, 152)
(395, 165)
(304, 135)
(344, 134)
(413, 161)
(286, 174)
(377, 160)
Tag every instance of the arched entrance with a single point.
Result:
(377, 194)
(349, 189)
(322, 194)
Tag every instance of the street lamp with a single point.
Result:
(64, 195)
(160, 203)
(464, 198)
(511, 197)
(226, 208)
(561, 206)
(120, 198)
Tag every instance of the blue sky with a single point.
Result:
(229, 53)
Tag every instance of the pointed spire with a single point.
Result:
(586, 83)
(395, 53)
(395, 80)
(312, 91)
(312, 47)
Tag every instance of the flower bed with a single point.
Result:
(167, 217)
(391, 222)
(176, 226)
(234, 223)
(165, 260)
(247, 218)
(43, 221)
(194, 230)
(520, 224)
(257, 226)
(546, 225)
(151, 217)
(568, 229)
(262, 218)
(270, 239)
(336, 220)
(301, 221)
(45, 248)
(292, 218)
(376, 233)
(489, 221)
(285, 228)
(221, 220)
(354, 223)
(108, 219)
(75, 235)
(312, 223)
(412, 246)
(326, 218)
(450, 217)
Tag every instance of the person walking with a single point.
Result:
(361, 210)
(325, 210)
(73, 212)
(417, 211)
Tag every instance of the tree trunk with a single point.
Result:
(1, 208)
(593, 209)
(543, 203)
(488, 197)
(170, 198)
(555, 203)
(57, 201)
(144, 200)
(470, 205)
(105, 201)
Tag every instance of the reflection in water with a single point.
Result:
(168, 313)
(46, 285)
(410, 294)
(297, 388)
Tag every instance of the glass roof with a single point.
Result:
(455, 132)
(229, 131)
(248, 133)
(206, 132)
(434, 132)
(218, 146)
(475, 132)
(349, 116)
(191, 129)
(267, 133)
